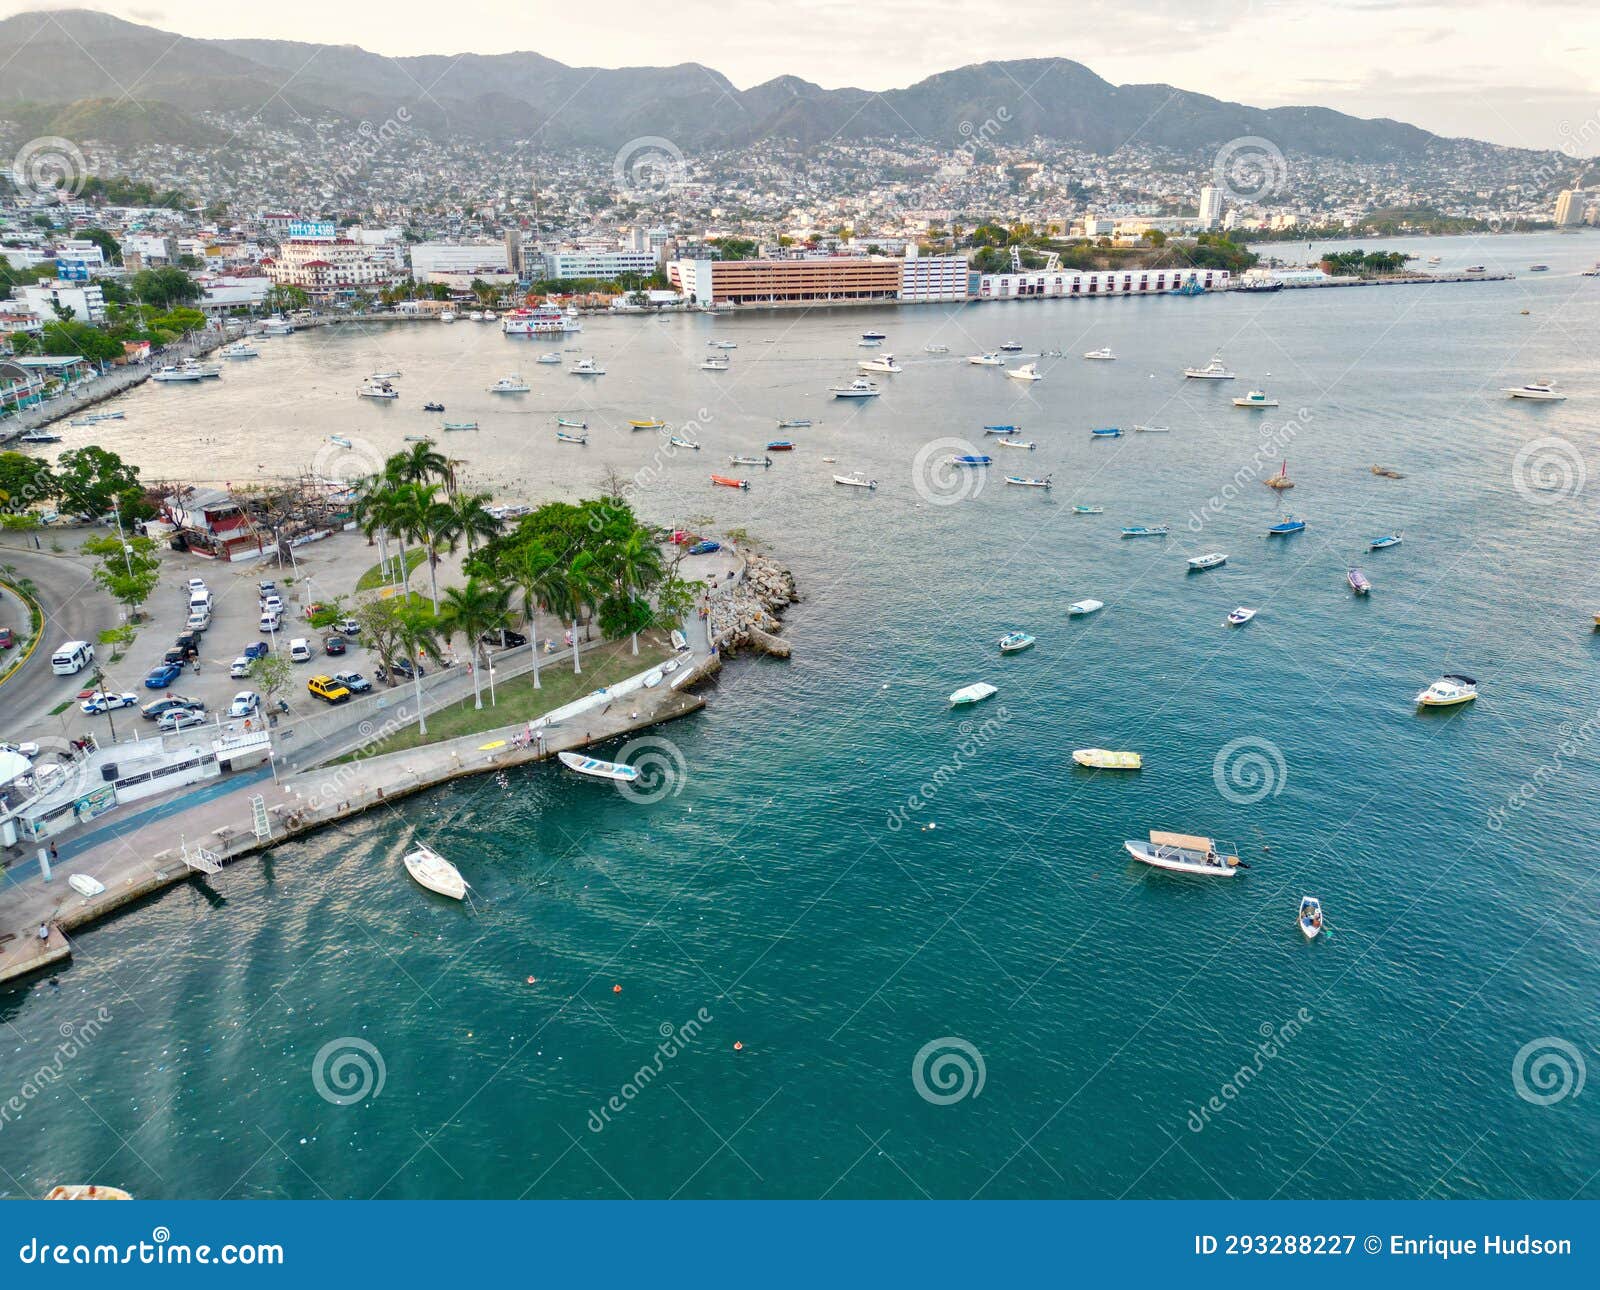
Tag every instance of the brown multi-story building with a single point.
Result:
(783, 282)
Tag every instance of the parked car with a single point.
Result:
(199, 620)
(167, 703)
(504, 639)
(179, 719)
(353, 681)
(256, 649)
(705, 548)
(7, 639)
(194, 585)
(267, 588)
(95, 704)
(404, 669)
(325, 687)
(188, 639)
(300, 650)
(245, 704)
(163, 676)
(176, 655)
(333, 645)
(348, 627)
(239, 668)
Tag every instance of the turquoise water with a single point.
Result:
(773, 902)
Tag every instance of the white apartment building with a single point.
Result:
(930, 279)
(85, 299)
(604, 265)
(1569, 208)
(321, 268)
(457, 258)
(1210, 207)
(1072, 283)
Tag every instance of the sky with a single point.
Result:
(1525, 73)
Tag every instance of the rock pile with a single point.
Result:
(746, 612)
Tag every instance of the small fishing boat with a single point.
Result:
(794, 423)
(721, 344)
(339, 440)
(1449, 690)
(434, 872)
(977, 692)
(564, 436)
(970, 459)
(1256, 399)
(1102, 355)
(1388, 540)
(1538, 391)
(1138, 429)
(567, 423)
(1010, 346)
(713, 363)
(1538, 268)
(1281, 480)
(460, 425)
(1240, 616)
(1078, 608)
(1387, 472)
(860, 388)
(1107, 759)
(678, 441)
(874, 335)
(679, 641)
(1024, 481)
(737, 460)
(1212, 371)
(649, 423)
(86, 1191)
(1145, 530)
(385, 376)
(509, 385)
(417, 438)
(239, 349)
(84, 885)
(855, 480)
(936, 349)
(1015, 443)
(586, 367)
(43, 436)
(1359, 582)
(1088, 510)
(1003, 430)
(1210, 560)
(433, 407)
(597, 768)
(1310, 917)
(1287, 525)
(1027, 372)
(987, 359)
(1014, 642)
(1183, 853)
(780, 445)
(868, 344)
(107, 416)
(728, 482)
(1106, 432)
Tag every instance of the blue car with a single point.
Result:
(161, 677)
(256, 649)
(705, 548)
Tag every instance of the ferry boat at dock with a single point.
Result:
(541, 320)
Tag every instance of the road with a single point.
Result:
(75, 608)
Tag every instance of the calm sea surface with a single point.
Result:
(774, 902)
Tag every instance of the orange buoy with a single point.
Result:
(738, 1046)
(533, 980)
(616, 989)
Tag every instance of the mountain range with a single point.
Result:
(66, 58)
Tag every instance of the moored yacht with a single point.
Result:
(1538, 391)
(374, 389)
(509, 385)
(1212, 371)
(1256, 399)
(986, 359)
(860, 388)
(586, 367)
(1449, 690)
(1103, 354)
(171, 373)
(882, 363)
(1027, 372)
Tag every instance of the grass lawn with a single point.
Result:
(373, 578)
(604, 663)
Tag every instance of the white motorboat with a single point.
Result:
(1449, 690)
(1240, 616)
(977, 692)
(447, 317)
(1538, 391)
(860, 388)
(1023, 481)
(208, 371)
(597, 768)
(740, 460)
(434, 872)
(855, 480)
(1212, 371)
(1010, 346)
(84, 885)
(1183, 853)
(721, 344)
(549, 356)
(1103, 354)
(714, 363)
(1015, 642)
(679, 641)
(1015, 443)
(1208, 561)
(377, 390)
(1310, 917)
(586, 367)
(989, 359)
(1027, 372)
(936, 349)
(509, 385)
(1152, 429)
(678, 441)
(882, 363)
(1080, 607)
(476, 315)
(172, 373)
(1256, 399)
(239, 349)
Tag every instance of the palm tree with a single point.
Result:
(406, 515)
(472, 610)
(436, 526)
(536, 573)
(417, 632)
(472, 519)
(420, 464)
(636, 566)
(578, 585)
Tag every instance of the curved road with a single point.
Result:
(75, 608)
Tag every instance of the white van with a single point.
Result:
(71, 658)
(199, 600)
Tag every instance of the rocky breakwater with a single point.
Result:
(746, 610)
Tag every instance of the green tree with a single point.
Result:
(271, 674)
(88, 479)
(472, 610)
(163, 288)
(128, 568)
(284, 298)
(24, 480)
(109, 247)
(418, 631)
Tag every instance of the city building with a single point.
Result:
(321, 268)
(472, 259)
(85, 299)
(780, 282)
(513, 240)
(1210, 206)
(929, 279)
(604, 265)
(1569, 208)
(1126, 282)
